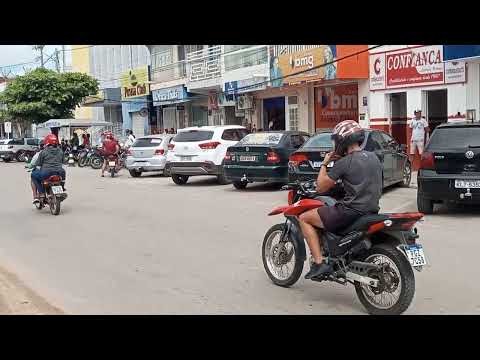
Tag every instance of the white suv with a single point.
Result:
(200, 151)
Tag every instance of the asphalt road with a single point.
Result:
(148, 246)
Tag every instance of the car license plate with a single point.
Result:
(318, 164)
(248, 158)
(57, 190)
(112, 163)
(185, 158)
(467, 184)
(415, 255)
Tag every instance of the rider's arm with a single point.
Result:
(327, 181)
(324, 183)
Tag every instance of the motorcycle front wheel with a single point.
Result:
(281, 257)
(96, 163)
(396, 282)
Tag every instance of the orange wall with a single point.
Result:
(355, 67)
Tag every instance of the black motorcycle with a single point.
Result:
(54, 194)
(377, 253)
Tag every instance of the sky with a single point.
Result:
(15, 54)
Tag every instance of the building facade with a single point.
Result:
(406, 78)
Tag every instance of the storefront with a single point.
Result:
(323, 94)
(172, 106)
(411, 78)
(136, 101)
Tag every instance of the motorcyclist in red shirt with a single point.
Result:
(110, 147)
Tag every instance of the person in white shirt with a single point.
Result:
(130, 140)
(419, 126)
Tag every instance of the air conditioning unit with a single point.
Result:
(244, 102)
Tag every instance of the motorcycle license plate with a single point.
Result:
(467, 184)
(57, 190)
(112, 163)
(71, 161)
(416, 255)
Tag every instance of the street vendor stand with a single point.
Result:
(64, 129)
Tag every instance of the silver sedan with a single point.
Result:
(148, 153)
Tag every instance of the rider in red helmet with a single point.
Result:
(50, 161)
(110, 147)
(361, 175)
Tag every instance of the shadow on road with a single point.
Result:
(456, 211)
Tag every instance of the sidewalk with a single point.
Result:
(17, 299)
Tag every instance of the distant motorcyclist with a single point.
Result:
(47, 162)
(110, 147)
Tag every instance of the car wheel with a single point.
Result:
(240, 185)
(424, 205)
(179, 179)
(407, 175)
(20, 156)
(135, 173)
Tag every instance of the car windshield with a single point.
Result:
(455, 137)
(323, 140)
(147, 142)
(193, 135)
(263, 138)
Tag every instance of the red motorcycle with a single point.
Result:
(376, 254)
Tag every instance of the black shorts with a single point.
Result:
(338, 217)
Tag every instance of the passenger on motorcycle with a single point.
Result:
(361, 175)
(110, 147)
(50, 161)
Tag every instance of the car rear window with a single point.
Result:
(193, 135)
(455, 137)
(234, 134)
(147, 142)
(321, 140)
(261, 139)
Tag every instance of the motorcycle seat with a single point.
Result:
(363, 223)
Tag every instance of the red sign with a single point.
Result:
(415, 66)
(212, 101)
(334, 104)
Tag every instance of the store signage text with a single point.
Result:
(334, 104)
(169, 94)
(413, 67)
(305, 61)
(135, 83)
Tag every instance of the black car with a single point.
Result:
(305, 162)
(262, 157)
(450, 167)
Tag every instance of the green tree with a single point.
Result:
(43, 94)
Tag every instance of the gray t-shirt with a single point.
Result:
(361, 175)
(50, 158)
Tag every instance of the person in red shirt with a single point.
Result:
(110, 147)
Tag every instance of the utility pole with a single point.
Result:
(40, 48)
(57, 61)
(63, 58)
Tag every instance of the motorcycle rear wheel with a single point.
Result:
(402, 273)
(288, 252)
(54, 205)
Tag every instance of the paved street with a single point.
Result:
(147, 246)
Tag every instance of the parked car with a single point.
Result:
(262, 157)
(148, 153)
(450, 167)
(305, 163)
(17, 148)
(200, 151)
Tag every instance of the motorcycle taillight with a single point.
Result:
(291, 196)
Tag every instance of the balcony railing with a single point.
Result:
(204, 64)
(288, 49)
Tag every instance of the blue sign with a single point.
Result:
(230, 90)
(456, 52)
(169, 95)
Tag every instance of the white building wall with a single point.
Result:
(363, 91)
(473, 88)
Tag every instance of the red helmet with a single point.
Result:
(109, 136)
(50, 139)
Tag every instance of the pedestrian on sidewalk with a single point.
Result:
(419, 128)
